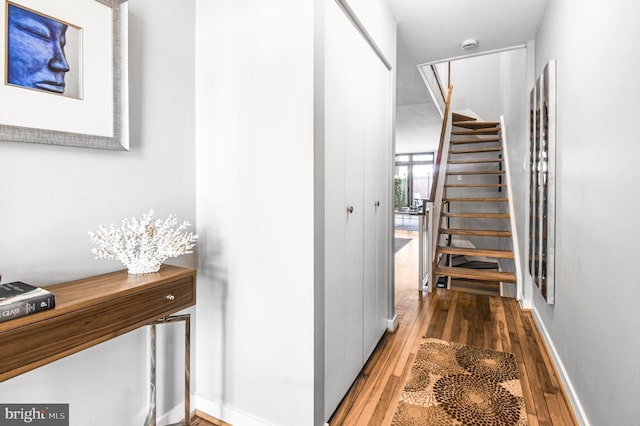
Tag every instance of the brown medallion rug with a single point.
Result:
(454, 384)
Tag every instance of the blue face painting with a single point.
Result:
(36, 56)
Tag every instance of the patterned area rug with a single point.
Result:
(454, 384)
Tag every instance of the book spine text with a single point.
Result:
(26, 307)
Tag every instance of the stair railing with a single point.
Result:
(436, 75)
(435, 86)
(433, 204)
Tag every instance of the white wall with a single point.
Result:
(418, 128)
(255, 172)
(52, 196)
(594, 320)
(476, 85)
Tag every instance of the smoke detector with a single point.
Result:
(469, 43)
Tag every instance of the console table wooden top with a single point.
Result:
(90, 311)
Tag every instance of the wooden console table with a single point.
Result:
(91, 311)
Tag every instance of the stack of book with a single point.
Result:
(18, 299)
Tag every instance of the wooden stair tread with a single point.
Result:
(475, 185)
(476, 124)
(479, 140)
(477, 264)
(477, 215)
(481, 199)
(477, 172)
(475, 150)
(456, 116)
(475, 232)
(476, 161)
(487, 131)
(498, 254)
(475, 274)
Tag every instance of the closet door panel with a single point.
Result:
(375, 283)
(343, 207)
(385, 194)
(357, 178)
(354, 236)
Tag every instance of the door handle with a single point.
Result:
(350, 209)
(377, 204)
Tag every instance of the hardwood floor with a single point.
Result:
(199, 418)
(486, 321)
(202, 422)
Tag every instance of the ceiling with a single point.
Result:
(432, 30)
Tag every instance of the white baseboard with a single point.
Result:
(525, 303)
(571, 392)
(392, 324)
(175, 415)
(227, 414)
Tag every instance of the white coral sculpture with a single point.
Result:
(143, 244)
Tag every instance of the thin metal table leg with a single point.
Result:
(187, 371)
(151, 416)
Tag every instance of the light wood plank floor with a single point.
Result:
(198, 421)
(202, 419)
(479, 320)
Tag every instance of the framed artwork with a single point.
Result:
(65, 73)
(542, 162)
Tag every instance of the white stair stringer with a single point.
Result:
(507, 289)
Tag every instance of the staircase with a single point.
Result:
(474, 218)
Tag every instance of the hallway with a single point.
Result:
(491, 322)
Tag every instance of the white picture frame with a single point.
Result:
(100, 117)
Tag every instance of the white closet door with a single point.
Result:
(356, 98)
(385, 195)
(376, 106)
(371, 333)
(343, 191)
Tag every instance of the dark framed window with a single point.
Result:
(413, 177)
